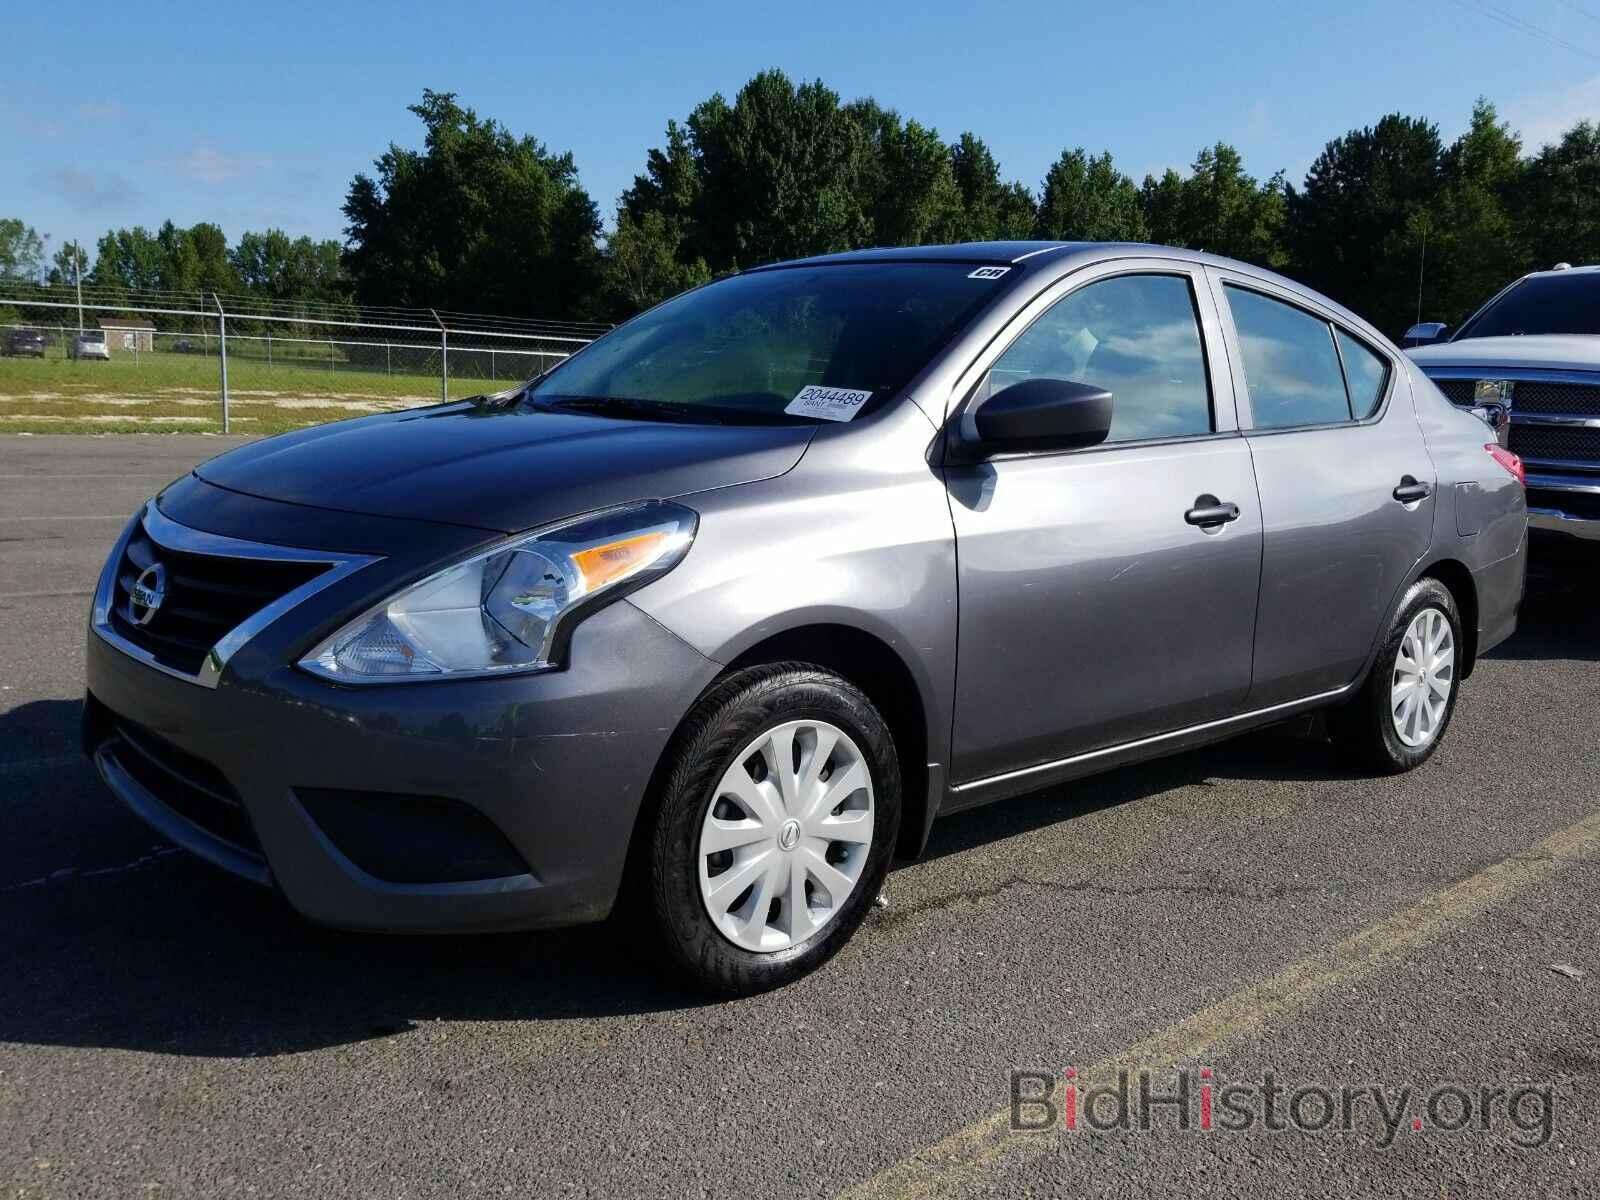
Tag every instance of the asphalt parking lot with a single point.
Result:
(1256, 909)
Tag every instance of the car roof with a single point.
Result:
(1586, 269)
(1032, 259)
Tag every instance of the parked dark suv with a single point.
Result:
(24, 343)
(738, 599)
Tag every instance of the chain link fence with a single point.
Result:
(248, 365)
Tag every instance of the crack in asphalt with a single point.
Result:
(1255, 894)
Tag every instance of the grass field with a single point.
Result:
(179, 393)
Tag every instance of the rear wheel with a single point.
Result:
(1396, 721)
(775, 828)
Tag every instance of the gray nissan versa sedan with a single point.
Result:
(722, 612)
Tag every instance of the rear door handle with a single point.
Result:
(1410, 490)
(1208, 511)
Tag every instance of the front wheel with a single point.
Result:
(1396, 721)
(775, 828)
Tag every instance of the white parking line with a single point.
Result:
(971, 1154)
(89, 475)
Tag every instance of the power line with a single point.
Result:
(1580, 10)
(1512, 21)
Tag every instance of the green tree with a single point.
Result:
(69, 259)
(1165, 217)
(1086, 198)
(21, 250)
(990, 210)
(478, 219)
(1556, 205)
(1473, 244)
(778, 174)
(1225, 211)
(276, 266)
(128, 260)
(1354, 231)
(642, 265)
(195, 259)
(905, 177)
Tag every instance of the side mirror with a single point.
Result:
(1425, 334)
(1042, 414)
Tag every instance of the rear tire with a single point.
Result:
(775, 828)
(1398, 718)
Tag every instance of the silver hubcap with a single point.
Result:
(787, 835)
(1424, 673)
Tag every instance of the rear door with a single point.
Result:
(1346, 484)
(1097, 603)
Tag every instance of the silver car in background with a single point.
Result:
(719, 615)
(1529, 359)
(91, 343)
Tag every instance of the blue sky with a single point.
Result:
(258, 115)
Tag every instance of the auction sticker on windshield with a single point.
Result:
(829, 403)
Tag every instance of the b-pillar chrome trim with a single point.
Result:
(170, 535)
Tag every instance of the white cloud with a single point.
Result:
(1543, 117)
(204, 163)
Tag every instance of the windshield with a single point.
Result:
(743, 349)
(1564, 303)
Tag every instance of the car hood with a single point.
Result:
(500, 469)
(1555, 352)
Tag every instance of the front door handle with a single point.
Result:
(1209, 512)
(1410, 490)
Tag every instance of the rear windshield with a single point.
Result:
(1564, 303)
(742, 350)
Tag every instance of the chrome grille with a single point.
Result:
(211, 595)
(1457, 391)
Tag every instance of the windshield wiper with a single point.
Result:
(626, 406)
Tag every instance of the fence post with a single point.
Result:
(444, 360)
(388, 365)
(269, 348)
(222, 356)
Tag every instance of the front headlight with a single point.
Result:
(511, 608)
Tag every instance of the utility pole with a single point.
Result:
(77, 276)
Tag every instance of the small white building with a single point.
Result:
(128, 334)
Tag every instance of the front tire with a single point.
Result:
(775, 828)
(1399, 717)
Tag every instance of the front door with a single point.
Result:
(1108, 593)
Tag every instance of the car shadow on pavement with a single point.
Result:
(115, 939)
(1559, 617)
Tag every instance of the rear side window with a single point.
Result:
(1290, 364)
(1366, 371)
(1137, 336)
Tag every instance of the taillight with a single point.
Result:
(1511, 462)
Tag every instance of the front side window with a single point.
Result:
(1290, 364)
(740, 350)
(1137, 336)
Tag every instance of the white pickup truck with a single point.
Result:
(1530, 360)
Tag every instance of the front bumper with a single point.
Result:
(553, 766)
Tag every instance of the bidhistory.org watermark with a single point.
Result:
(1192, 1098)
